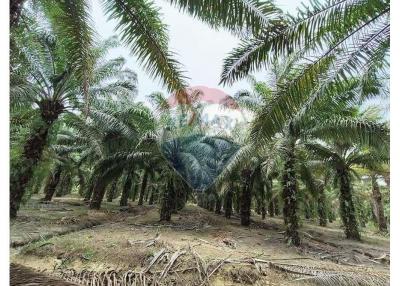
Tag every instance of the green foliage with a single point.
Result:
(141, 29)
(310, 138)
(237, 16)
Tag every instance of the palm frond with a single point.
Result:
(289, 99)
(353, 130)
(347, 279)
(142, 30)
(359, 43)
(234, 15)
(71, 22)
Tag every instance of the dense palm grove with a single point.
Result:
(316, 149)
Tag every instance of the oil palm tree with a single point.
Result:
(343, 157)
(318, 126)
(45, 84)
(111, 138)
(331, 118)
(64, 170)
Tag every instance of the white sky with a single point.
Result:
(199, 49)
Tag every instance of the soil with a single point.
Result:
(65, 239)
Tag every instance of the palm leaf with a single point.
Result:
(141, 29)
(348, 279)
(234, 15)
(71, 22)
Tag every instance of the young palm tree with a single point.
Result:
(318, 179)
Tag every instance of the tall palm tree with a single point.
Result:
(331, 118)
(45, 83)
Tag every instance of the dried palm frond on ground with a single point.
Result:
(110, 277)
(70, 227)
(187, 267)
(327, 250)
(347, 279)
(334, 278)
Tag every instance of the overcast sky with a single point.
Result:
(200, 49)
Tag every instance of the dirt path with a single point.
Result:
(22, 276)
(200, 248)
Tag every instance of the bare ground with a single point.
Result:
(197, 247)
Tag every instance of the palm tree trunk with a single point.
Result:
(135, 191)
(51, 185)
(331, 215)
(200, 200)
(111, 191)
(258, 204)
(237, 202)
(269, 197)
(152, 196)
(228, 203)
(373, 214)
(98, 195)
(307, 210)
(211, 202)
(218, 204)
(64, 187)
(277, 211)
(22, 169)
(245, 200)
(180, 197)
(167, 201)
(89, 193)
(143, 186)
(263, 195)
(125, 190)
(174, 197)
(146, 195)
(378, 205)
(81, 179)
(271, 208)
(386, 178)
(322, 213)
(347, 210)
(289, 196)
